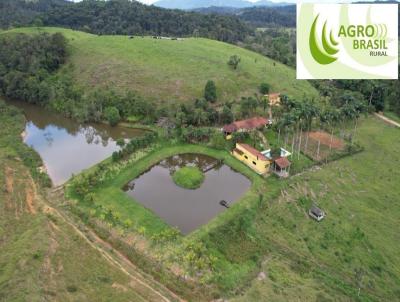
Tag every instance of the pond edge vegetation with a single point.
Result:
(190, 178)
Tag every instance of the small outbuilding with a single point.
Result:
(282, 166)
(316, 213)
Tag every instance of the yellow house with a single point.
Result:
(251, 157)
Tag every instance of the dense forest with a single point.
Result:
(283, 16)
(122, 17)
(275, 42)
(26, 62)
(380, 94)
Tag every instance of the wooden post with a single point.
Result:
(286, 137)
(319, 143)
(306, 144)
(279, 135)
(301, 134)
(293, 143)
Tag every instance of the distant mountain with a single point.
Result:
(194, 4)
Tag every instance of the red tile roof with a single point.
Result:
(274, 95)
(282, 162)
(230, 128)
(253, 151)
(251, 123)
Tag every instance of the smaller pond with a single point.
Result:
(66, 146)
(188, 209)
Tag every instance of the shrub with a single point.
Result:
(121, 142)
(264, 88)
(234, 61)
(72, 288)
(210, 92)
(218, 141)
(188, 177)
(112, 115)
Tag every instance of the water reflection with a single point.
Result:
(188, 209)
(66, 146)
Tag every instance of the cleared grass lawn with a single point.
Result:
(166, 70)
(352, 255)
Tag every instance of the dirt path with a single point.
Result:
(30, 197)
(9, 180)
(141, 282)
(387, 120)
(119, 261)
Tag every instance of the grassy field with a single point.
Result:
(349, 256)
(166, 70)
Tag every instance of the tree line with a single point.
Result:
(380, 94)
(121, 17)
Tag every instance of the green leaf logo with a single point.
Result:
(323, 55)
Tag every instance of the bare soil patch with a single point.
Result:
(29, 198)
(327, 140)
(9, 180)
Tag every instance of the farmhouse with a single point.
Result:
(251, 157)
(274, 99)
(245, 125)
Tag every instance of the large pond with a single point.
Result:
(67, 147)
(188, 209)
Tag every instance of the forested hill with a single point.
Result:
(284, 16)
(120, 17)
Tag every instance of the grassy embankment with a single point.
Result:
(166, 70)
(42, 257)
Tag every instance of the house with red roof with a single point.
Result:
(246, 125)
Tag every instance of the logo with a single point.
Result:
(325, 54)
(347, 41)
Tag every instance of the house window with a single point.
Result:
(254, 163)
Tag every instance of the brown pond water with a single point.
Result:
(188, 209)
(66, 146)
